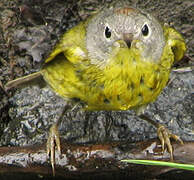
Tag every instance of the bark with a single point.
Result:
(93, 160)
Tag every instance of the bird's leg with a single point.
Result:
(54, 140)
(163, 134)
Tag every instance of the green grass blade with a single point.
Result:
(161, 163)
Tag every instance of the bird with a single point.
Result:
(116, 60)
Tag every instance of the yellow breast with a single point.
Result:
(126, 82)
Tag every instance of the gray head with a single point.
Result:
(134, 27)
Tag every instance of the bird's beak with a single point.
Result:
(125, 41)
(128, 38)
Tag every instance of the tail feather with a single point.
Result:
(23, 80)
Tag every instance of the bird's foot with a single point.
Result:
(52, 142)
(164, 135)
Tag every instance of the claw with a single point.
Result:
(52, 142)
(164, 135)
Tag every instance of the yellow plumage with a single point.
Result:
(126, 82)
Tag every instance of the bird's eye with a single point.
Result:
(145, 30)
(107, 32)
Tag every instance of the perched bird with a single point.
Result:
(118, 59)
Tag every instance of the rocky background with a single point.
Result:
(28, 31)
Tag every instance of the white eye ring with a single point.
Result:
(145, 30)
(107, 32)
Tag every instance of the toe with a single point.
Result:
(52, 142)
(176, 138)
(164, 136)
